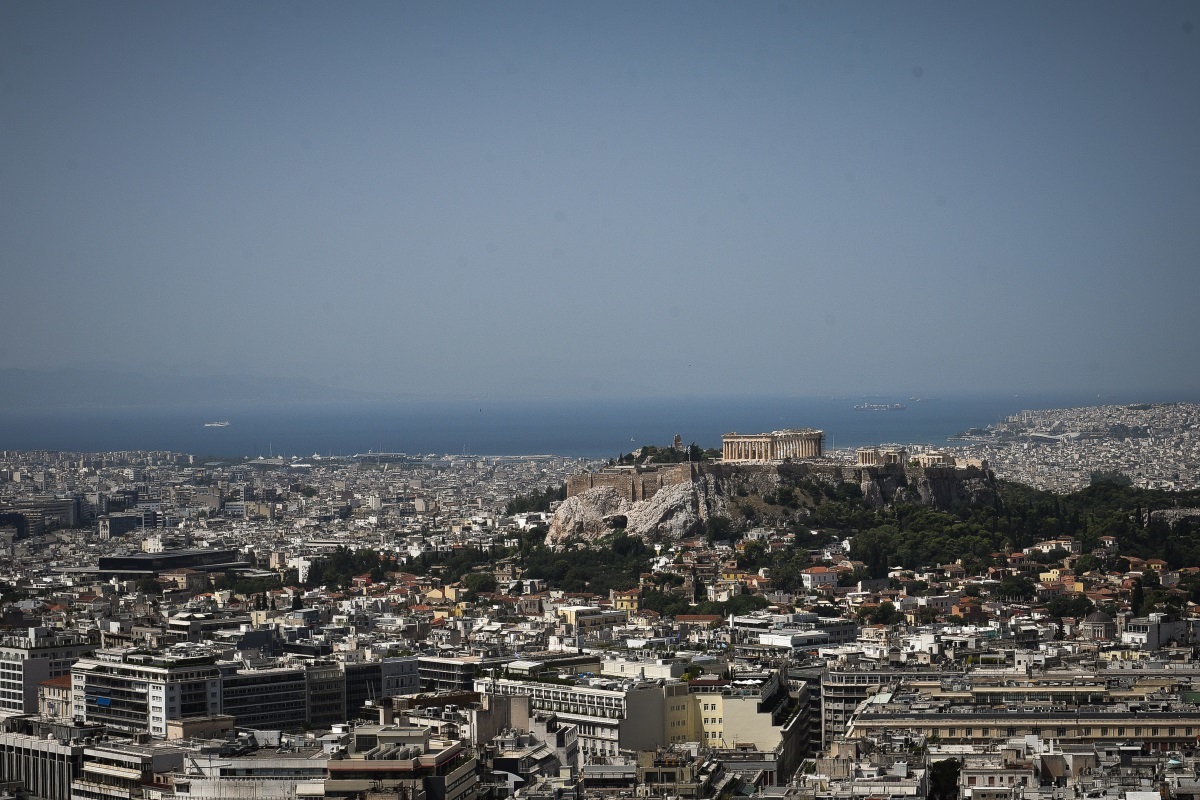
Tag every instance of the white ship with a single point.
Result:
(222, 424)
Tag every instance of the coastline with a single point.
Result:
(592, 429)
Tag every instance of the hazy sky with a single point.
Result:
(606, 197)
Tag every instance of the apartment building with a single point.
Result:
(43, 756)
(270, 698)
(116, 771)
(138, 691)
(1161, 725)
(610, 715)
(455, 673)
(402, 760)
(30, 658)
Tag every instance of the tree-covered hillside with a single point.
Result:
(914, 536)
(903, 535)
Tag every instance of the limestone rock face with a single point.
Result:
(962, 487)
(583, 516)
(679, 510)
(672, 513)
(872, 493)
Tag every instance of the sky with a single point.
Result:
(617, 198)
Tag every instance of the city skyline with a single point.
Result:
(606, 200)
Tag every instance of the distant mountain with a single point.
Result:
(81, 388)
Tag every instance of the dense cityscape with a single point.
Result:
(599, 400)
(1155, 446)
(676, 623)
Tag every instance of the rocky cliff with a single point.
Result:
(740, 491)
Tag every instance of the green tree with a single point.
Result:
(718, 528)
(476, 582)
(1069, 605)
(1137, 598)
(926, 615)
(536, 500)
(885, 614)
(1111, 477)
(754, 556)
(943, 779)
(1015, 587)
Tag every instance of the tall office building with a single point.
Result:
(28, 659)
(139, 690)
(273, 697)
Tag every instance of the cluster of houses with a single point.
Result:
(208, 669)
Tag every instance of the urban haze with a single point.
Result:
(605, 198)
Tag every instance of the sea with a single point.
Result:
(577, 428)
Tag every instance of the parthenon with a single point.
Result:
(773, 446)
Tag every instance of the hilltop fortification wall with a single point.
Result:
(635, 483)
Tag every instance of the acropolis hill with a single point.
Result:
(674, 500)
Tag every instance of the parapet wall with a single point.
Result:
(638, 483)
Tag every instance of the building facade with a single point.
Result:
(610, 717)
(27, 660)
(773, 446)
(274, 698)
(138, 691)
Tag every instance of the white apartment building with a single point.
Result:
(610, 716)
(27, 660)
(138, 691)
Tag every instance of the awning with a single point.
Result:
(115, 772)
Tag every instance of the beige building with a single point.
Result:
(752, 710)
(773, 446)
(935, 458)
(33, 656)
(54, 698)
(1061, 705)
(749, 710)
(587, 620)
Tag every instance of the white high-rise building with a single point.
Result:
(27, 660)
(138, 690)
